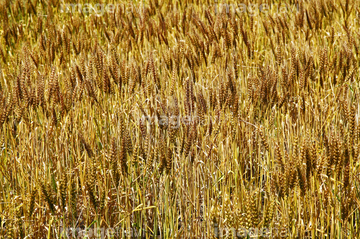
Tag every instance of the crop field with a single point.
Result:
(179, 119)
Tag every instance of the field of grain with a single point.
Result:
(179, 119)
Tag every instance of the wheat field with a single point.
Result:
(179, 119)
